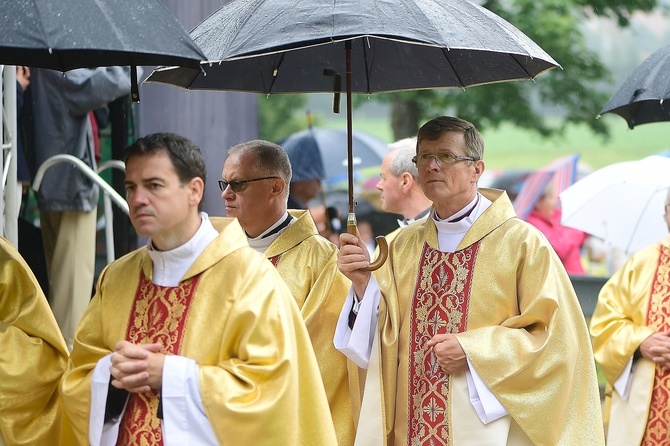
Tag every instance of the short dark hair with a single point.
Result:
(186, 157)
(271, 159)
(436, 127)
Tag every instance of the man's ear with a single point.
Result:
(407, 180)
(278, 186)
(479, 168)
(197, 188)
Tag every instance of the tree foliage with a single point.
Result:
(281, 115)
(558, 98)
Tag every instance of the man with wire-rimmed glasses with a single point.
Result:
(471, 332)
(255, 188)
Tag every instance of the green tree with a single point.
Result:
(557, 99)
(280, 115)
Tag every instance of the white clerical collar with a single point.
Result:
(450, 231)
(170, 266)
(263, 241)
(408, 221)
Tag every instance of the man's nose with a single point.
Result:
(227, 193)
(432, 163)
(138, 196)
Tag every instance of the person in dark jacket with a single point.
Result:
(57, 122)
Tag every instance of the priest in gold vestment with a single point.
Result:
(193, 339)
(306, 261)
(630, 328)
(34, 356)
(479, 338)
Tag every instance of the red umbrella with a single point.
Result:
(562, 171)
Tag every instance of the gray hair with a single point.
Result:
(403, 151)
(436, 127)
(271, 159)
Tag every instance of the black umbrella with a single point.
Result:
(64, 35)
(642, 97)
(280, 46)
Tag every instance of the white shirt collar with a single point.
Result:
(450, 233)
(408, 221)
(170, 266)
(263, 242)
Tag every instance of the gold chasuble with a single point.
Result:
(233, 315)
(34, 356)
(506, 297)
(632, 305)
(308, 264)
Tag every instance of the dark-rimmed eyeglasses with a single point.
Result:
(442, 158)
(239, 186)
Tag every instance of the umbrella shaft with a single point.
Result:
(350, 141)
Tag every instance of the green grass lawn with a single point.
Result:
(508, 146)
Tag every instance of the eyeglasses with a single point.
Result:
(238, 186)
(442, 158)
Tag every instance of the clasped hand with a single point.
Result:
(449, 353)
(137, 368)
(656, 348)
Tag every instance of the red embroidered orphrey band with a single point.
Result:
(440, 305)
(658, 316)
(275, 260)
(159, 315)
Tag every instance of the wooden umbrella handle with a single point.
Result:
(383, 254)
(381, 242)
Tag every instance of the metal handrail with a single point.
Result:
(109, 215)
(5, 168)
(109, 194)
(90, 173)
(9, 199)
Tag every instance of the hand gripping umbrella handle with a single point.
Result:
(381, 242)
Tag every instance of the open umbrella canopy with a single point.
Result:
(562, 172)
(276, 46)
(622, 203)
(328, 145)
(643, 97)
(64, 35)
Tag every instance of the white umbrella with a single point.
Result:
(621, 203)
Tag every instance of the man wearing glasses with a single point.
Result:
(479, 335)
(255, 182)
(192, 339)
